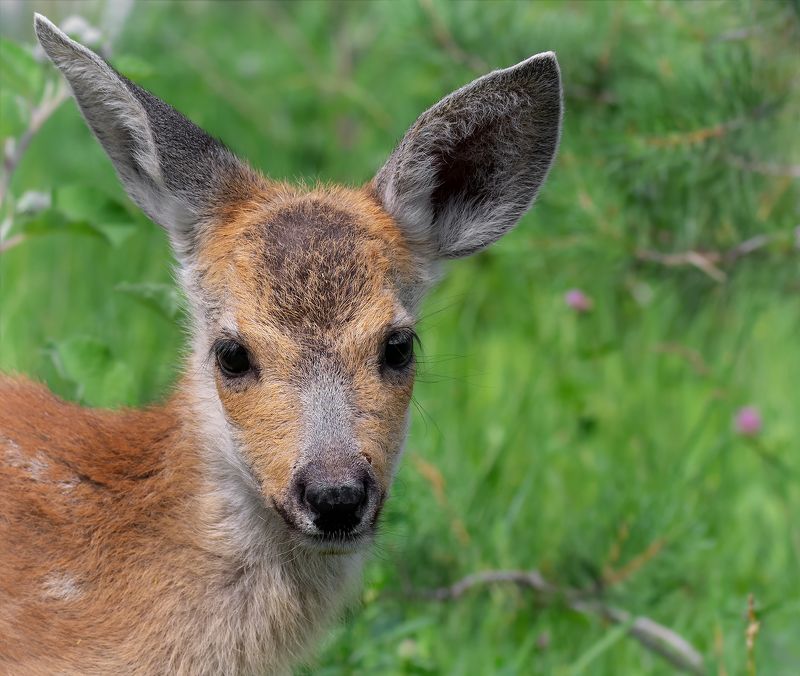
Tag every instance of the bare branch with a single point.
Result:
(11, 242)
(709, 261)
(523, 578)
(654, 636)
(766, 168)
(39, 115)
(705, 262)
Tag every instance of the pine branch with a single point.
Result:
(715, 131)
(444, 37)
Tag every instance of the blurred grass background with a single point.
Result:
(598, 447)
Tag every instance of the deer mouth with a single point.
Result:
(339, 545)
(325, 538)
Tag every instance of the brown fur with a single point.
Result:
(123, 551)
(92, 506)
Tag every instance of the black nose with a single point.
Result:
(336, 507)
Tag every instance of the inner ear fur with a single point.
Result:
(470, 166)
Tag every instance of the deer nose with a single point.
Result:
(336, 507)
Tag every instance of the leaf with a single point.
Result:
(82, 201)
(115, 233)
(89, 370)
(13, 113)
(163, 298)
(52, 221)
(107, 216)
(19, 71)
(76, 210)
(69, 387)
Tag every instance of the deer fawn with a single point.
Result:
(219, 533)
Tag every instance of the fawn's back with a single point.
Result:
(81, 494)
(221, 531)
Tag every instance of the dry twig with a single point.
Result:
(650, 634)
(612, 577)
(706, 262)
(766, 168)
(751, 634)
(709, 261)
(11, 242)
(39, 115)
(15, 149)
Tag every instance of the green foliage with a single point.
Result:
(165, 299)
(597, 447)
(19, 72)
(86, 364)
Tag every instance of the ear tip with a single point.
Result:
(540, 70)
(43, 26)
(47, 33)
(59, 47)
(543, 71)
(543, 60)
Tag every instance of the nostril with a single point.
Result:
(336, 507)
(326, 498)
(350, 496)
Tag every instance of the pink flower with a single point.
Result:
(578, 300)
(748, 421)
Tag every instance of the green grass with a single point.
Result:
(591, 447)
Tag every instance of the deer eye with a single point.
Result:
(232, 358)
(399, 350)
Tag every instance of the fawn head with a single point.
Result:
(303, 301)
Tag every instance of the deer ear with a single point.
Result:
(470, 167)
(170, 167)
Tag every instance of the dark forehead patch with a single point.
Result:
(319, 265)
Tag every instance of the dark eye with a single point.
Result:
(232, 358)
(399, 350)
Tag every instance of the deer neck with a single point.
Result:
(274, 594)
